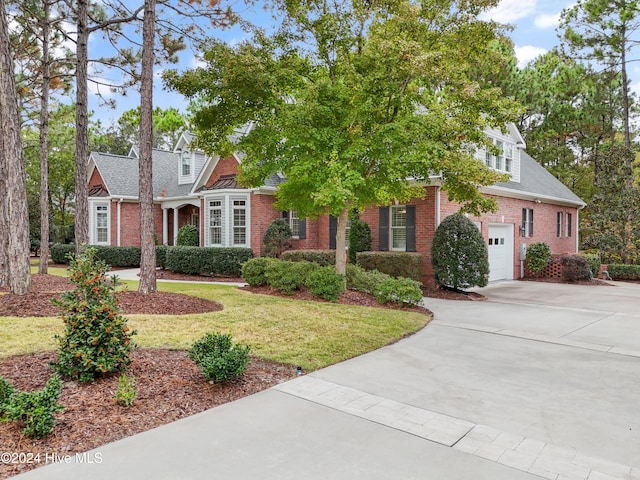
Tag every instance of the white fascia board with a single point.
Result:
(511, 193)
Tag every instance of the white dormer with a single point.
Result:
(185, 175)
(509, 145)
(191, 161)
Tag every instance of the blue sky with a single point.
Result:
(535, 23)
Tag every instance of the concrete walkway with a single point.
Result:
(540, 381)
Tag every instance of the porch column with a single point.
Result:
(175, 225)
(165, 226)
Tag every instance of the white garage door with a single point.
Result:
(500, 252)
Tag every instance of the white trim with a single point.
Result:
(119, 224)
(93, 204)
(226, 199)
(511, 193)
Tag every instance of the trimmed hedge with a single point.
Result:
(288, 277)
(359, 239)
(619, 271)
(325, 283)
(385, 288)
(254, 270)
(321, 257)
(119, 256)
(207, 260)
(396, 264)
(574, 268)
(161, 255)
(59, 252)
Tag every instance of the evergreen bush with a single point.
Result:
(619, 271)
(219, 359)
(538, 257)
(594, 263)
(188, 236)
(161, 256)
(254, 270)
(359, 239)
(207, 260)
(325, 283)
(288, 277)
(60, 252)
(118, 256)
(396, 264)
(364, 280)
(459, 254)
(574, 268)
(97, 339)
(321, 257)
(277, 238)
(402, 291)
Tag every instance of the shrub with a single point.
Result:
(36, 410)
(459, 254)
(118, 256)
(161, 256)
(218, 358)
(325, 283)
(127, 390)
(96, 339)
(574, 268)
(254, 269)
(403, 291)
(321, 257)
(594, 263)
(364, 280)
(60, 252)
(288, 277)
(396, 264)
(188, 236)
(277, 238)
(207, 260)
(359, 239)
(6, 391)
(619, 271)
(538, 257)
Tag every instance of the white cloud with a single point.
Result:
(508, 11)
(527, 53)
(547, 20)
(197, 61)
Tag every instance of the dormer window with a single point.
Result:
(503, 161)
(185, 169)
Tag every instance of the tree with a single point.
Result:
(277, 238)
(147, 230)
(459, 254)
(15, 195)
(168, 125)
(351, 100)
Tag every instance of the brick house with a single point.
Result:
(533, 206)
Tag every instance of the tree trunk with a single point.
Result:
(82, 128)
(16, 189)
(4, 222)
(44, 144)
(341, 241)
(147, 230)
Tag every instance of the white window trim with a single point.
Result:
(93, 233)
(227, 198)
(293, 215)
(490, 159)
(391, 228)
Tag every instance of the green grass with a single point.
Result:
(305, 333)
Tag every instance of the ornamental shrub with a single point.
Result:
(188, 236)
(396, 264)
(288, 277)
(620, 271)
(254, 270)
(207, 260)
(96, 339)
(36, 410)
(161, 256)
(6, 391)
(359, 239)
(574, 268)
(277, 238)
(218, 358)
(325, 283)
(403, 291)
(594, 263)
(118, 256)
(60, 252)
(127, 390)
(321, 257)
(459, 254)
(364, 280)
(538, 257)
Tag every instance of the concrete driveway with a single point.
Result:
(540, 381)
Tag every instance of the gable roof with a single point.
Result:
(536, 181)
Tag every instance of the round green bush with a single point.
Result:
(538, 257)
(188, 236)
(325, 283)
(359, 239)
(254, 270)
(459, 254)
(219, 359)
(288, 277)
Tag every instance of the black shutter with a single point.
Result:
(285, 215)
(383, 235)
(531, 222)
(333, 230)
(523, 229)
(411, 228)
(559, 224)
(302, 228)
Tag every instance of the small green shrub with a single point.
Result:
(118, 256)
(36, 410)
(188, 236)
(325, 283)
(207, 260)
(127, 390)
(359, 239)
(619, 271)
(403, 291)
(538, 257)
(396, 264)
(321, 257)
(60, 252)
(254, 270)
(277, 238)
(96, 339)
(459, 254)
(218, 358)
(6, 391)
(288, 277)
(364, 280)
(161, 256)
(574, 268)
(594, 263)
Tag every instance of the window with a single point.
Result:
(102, 224)
(503, 161)
(239, 222)
(526, 229)
(398, 230)
(294, 223)
(500, 157)
(559, 225)
(186, 164)
(195, 220)
(508, 158)
(215, 222)
(569, 224)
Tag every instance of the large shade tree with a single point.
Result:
(356, 103)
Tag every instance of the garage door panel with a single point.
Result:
(500, 247)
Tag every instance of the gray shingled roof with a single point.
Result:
(536, 180)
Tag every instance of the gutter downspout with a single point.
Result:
(118, 222)
(438, 214)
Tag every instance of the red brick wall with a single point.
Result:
(96, 180)
(262, 214)
(225, 166)
(130, 223)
